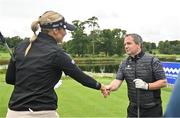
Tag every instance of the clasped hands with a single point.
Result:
(139, 84)
(105, 90)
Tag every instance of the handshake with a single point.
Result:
(106, 89)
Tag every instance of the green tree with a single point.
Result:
(165, 47)
(118, 45)
(79, 42)
(93, 24)
(107, 41)
(12, 42)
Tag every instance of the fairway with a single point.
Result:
(76, 100)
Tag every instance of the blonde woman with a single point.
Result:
(39, 66)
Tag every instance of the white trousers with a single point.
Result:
(32, 114)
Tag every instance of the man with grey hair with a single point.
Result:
(144, 76)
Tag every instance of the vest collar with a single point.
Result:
(136, 57)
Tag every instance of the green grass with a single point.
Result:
(76, 100)
(169, 55)
(4, 56)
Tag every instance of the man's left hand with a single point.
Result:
(139, 83)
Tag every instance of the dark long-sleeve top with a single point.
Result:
(35, 75)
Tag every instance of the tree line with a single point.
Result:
(88, 39)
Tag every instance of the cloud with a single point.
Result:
(155, 20)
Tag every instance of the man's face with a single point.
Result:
(131, 47)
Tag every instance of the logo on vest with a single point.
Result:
(128, 67)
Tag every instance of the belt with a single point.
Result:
(147, 105)
(30, 109)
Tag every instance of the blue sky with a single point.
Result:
(154, 20)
